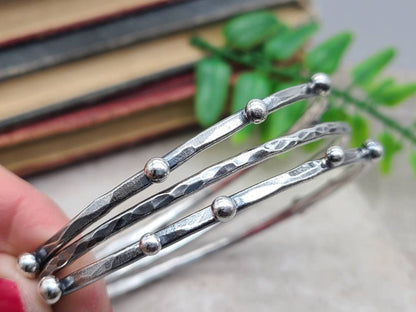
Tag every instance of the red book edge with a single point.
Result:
(157, 94)
(69, 160)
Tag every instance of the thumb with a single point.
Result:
(27, 219)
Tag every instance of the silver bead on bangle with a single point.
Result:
(164, 230)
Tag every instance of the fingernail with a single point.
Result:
(10, 297)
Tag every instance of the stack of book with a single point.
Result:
(82, 78)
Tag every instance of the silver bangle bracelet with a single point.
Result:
(223, 209)
(152, 223)
(146, 271)
(187, 187)
(157, 169)
(166, 232)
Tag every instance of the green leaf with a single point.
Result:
(359, 126)
(249, 30)
(312, 146)
(374, 89)
(282, 120)
(334, 113)
(292, 69)
(360, 130)
(212, 77)
(365, 72)
(326, 56)
(249, 85)
(412, 161)
(391, 147)
(288, 42)
(394, 94)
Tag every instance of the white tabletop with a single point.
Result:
(352, 252)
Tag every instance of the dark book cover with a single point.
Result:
(116, 33)
(75, 23)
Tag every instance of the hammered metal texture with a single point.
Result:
(188, 186)
(204, 218)
(138, 182)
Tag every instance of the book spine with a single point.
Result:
(82, 23)
(162, 21)
(89, 99)
(101, 129)
(29, 168)
(155, 95)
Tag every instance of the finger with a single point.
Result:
(27, 288)
(27, 219)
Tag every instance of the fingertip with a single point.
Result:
(27, 217)
(11, 300)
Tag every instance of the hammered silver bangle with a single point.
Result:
(144, 272)
(223, 209)
(61, 250)
(157, 169)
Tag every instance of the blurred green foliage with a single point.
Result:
(212, 77)
(327, 56)
(249, 85)
(269, 52)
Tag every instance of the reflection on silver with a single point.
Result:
(187, 187)
(205, 218)
(163, 233)
(141, 180)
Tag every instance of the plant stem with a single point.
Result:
(249, 61)
(246, 59)
(370, 109)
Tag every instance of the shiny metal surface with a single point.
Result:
(128, 280)
(136, 183)
(205, 218)
(49, 289)
(161, 235)
(189, 186)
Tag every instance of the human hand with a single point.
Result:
(27, 219)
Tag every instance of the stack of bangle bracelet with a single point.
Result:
(131, 259)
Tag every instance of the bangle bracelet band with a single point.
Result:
(187, 187)
(166, 232)
(157, 169)
(144, 272)
(223, 209)
(311, 116)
